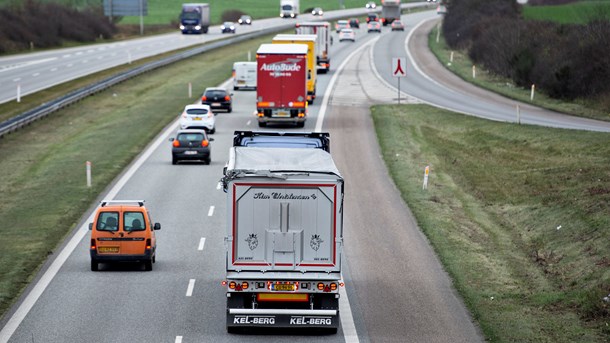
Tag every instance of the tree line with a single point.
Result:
(567, 61)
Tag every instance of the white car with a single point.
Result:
(371, 5)
(347, 34)
(198, 116)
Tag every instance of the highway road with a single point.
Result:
(396, 289)
(30, 73)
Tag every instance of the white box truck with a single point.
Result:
(284, 238)
(390, 11)
(322, 30)
(244, 75)
(289, 8)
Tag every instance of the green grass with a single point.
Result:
(42, 189)
(497, 194)
(575, 13)
(462, 67)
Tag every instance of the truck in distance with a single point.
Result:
(281, 92)
(312, 69)
(195, 18)
(322, 30)
(289, 8)
(284, 238)
(390, 11)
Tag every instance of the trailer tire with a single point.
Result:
(262, 124)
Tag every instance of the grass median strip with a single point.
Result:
(43, 189)
(519, 216)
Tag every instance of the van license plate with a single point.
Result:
(108, 249)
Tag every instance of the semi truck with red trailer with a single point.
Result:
(284, 236)
(281, 92)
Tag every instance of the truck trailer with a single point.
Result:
(312, 69)
(390, 11)
(195, 18)
(284, 238)
(281, 92)
(289, 8)
(322, 30)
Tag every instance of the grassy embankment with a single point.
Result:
(574, 13)
(462, 66)
(519, 216)
(42, 190)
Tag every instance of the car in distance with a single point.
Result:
(374, 26)
(227, 27)
(198, 116)
(191, 145)
(371, 5)
(317, 11)
(122, 231)
(217, 98)
(341, 24)
(397, 25)
(245, 20)
(347, 34)
(372, 17)
(354, 23)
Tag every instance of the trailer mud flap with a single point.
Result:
(283, 320)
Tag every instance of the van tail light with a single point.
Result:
(227, 98)
(204, 98)
(176, 143)
(205, 143)
(148, 244)
(233, 73)
(93, 246)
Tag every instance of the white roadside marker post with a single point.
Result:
(426, 172)
(88, 168)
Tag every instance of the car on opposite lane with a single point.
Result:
(374, 26)
(317, 11)
(218, 99)
(191, 145)
(354, 23)
(371, 5)
(397, 25)
(198, 116)
(347, 34)
(245, 20)
(227, 27)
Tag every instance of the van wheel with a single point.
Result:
(148, 265)
(94, 266)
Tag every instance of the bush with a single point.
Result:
(231, 15)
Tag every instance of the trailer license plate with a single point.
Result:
(283, 287)
(108, 249)
(282, 114)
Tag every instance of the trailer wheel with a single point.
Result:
(232, 329)
(262, 124)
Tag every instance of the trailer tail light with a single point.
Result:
(320, 286)
(244, 285)
(233, 73)
(261, 114)
(232, 285)
(205, 143)
(93, 246)
(301, 115)
(204, 98)
(176, 143)
(333, 286)
(262, 104)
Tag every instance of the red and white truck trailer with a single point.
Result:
(322, 30)
(284, 238)
(281, 92)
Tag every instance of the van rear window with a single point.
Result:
(134, 221)
(108, 221)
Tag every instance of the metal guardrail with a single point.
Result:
(45, 109)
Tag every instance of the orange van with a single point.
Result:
(122, 231)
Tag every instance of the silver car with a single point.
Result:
(198, 116)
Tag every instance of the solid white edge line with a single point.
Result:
(178, 339)
(191, 286)
(211, 211)
(331, 83)
(201, 244)
(27, 304)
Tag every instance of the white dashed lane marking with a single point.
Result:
(201, 244)
(189, 290)
(211, 211)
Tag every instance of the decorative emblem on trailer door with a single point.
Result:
(315, 242)
(252, 241)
